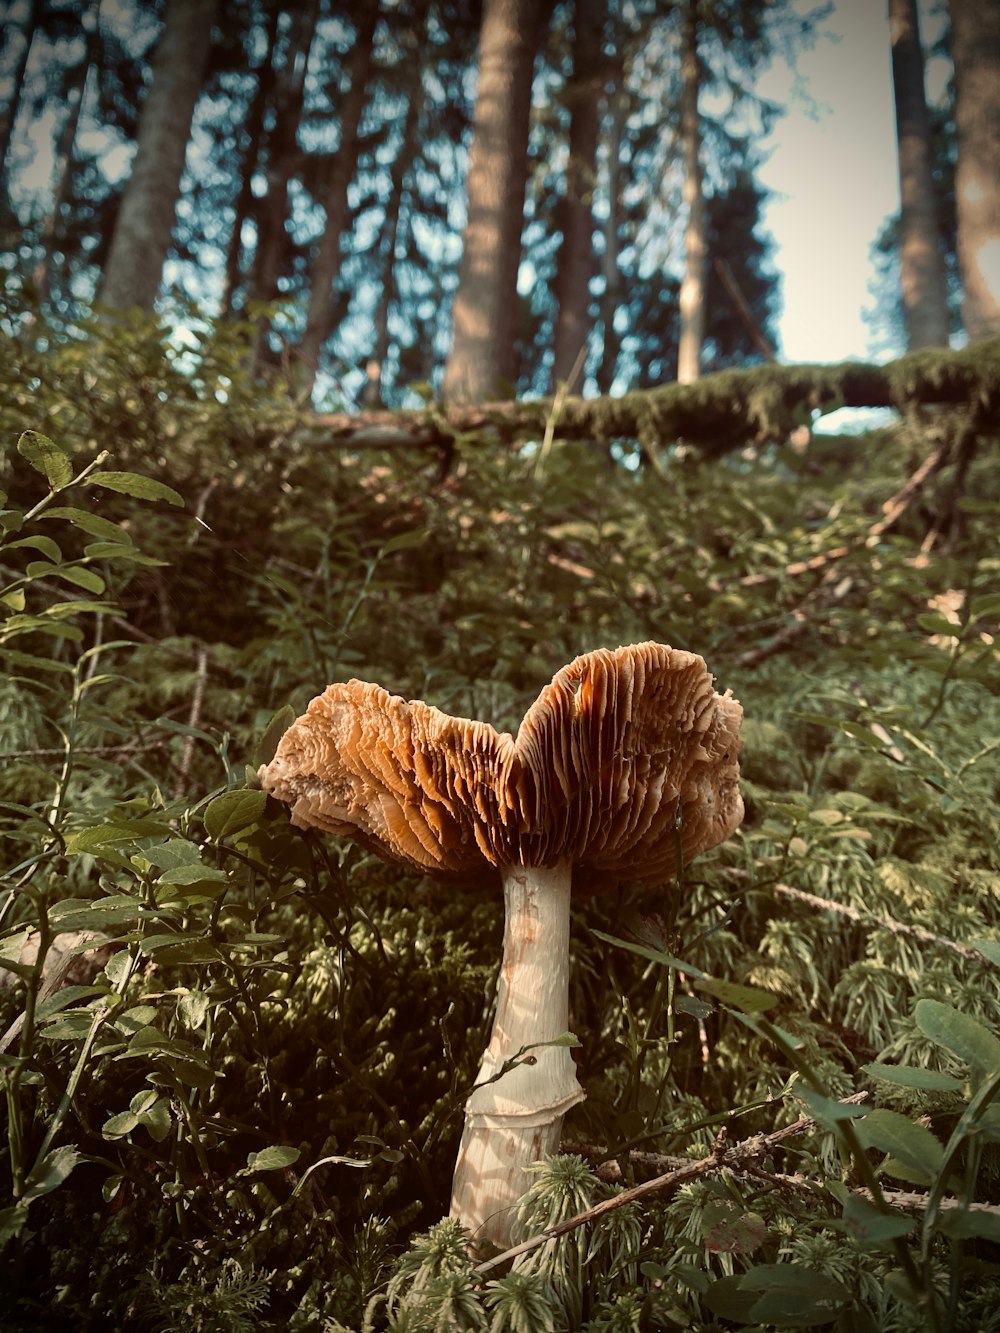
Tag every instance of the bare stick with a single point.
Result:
(197, 699)
(867, 918)
(893, 509)
(736, 1158)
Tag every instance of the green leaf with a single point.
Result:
(985, 607)
(912, 1144)
(828, 1111)
(131, 483)
(404, 541)
(173, 854)
(37, 542)
(87, 579)
(46, 457)
(111, 834)
(934, 623)
(70, 994)
(119, 551)
(157, 1120)
(180, 949)
(960, 1034)
(910, 1076)
(726, 1228)
(970, 1224)
(100, 914)
(870, 1226)
(193, 1009)
(272, 1159)
(782, 1295)
(15, 600)
(12, 1222)
(233, 811)
(32, 663)
(272, 734)
(747, 999)
(92, 524)
(988, 948)
(119, 1125)
(51, 1171)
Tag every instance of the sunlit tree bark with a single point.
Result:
(146, 216)
(483, 315)
(975, 48)
(343, 164)
(925, 294)
(692, 296)
(575, 264)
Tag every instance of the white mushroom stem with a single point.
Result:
(513, 1120)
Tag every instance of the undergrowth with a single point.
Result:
(242, 1110)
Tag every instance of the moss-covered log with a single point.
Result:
(717, 414)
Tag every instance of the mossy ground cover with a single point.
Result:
(247, 1115)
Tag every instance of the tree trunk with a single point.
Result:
(73, 94)
(692, 296)
(326, 263)
(575, 264)
(9, 115)
(282, 154)
(975, 48)
(399, 177)
(613, 294)
(145, 221)
(485, 306)
(925, 294)
(249, 156)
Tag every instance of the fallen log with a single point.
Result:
(717, 414)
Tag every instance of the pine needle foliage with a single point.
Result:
(235, 1055)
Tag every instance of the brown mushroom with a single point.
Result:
(626, 762)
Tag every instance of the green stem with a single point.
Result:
(55, 1124)
(44, 503)
(15, 1132)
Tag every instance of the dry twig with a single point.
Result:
(863, 918)
(722, 1157)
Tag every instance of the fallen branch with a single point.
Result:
(893, 510)
(609, 1170)
(862, 918)
(718, 413)
(831, 589)
(722, 1157)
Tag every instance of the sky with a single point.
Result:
(833, 171)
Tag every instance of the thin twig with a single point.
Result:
(609, 1170)
(863, 918)
(802, 617)
(893, 510)
(197, 699)
(721, 1158)
(58, 751)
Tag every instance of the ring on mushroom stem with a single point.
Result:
(625, 767)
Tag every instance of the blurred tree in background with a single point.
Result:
(320, 160)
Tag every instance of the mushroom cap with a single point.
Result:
(626, 762)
